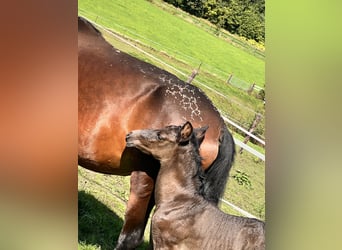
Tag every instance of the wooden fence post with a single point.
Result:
(249, 91)
(229, 78)
(255, 123)
(193, 74)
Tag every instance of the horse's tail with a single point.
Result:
(215, 177)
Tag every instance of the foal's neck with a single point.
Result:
(178, 175)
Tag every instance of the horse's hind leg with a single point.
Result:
(137, 211)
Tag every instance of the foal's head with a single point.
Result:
(163, 143)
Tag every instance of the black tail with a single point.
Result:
(215, 177)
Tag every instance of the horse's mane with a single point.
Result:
(199, 176)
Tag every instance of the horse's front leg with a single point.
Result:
(139, 206)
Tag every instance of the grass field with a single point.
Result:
(144, 21)
(102, 198)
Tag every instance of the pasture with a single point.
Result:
(102, 197)
(147, 22)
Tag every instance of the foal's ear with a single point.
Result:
(200, 133)
(185, 132)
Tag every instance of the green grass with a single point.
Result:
(101, 207)
(251, 47)
(147, 22)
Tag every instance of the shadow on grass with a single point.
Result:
(97, 224)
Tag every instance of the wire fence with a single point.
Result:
(241, 84)
(236, 82)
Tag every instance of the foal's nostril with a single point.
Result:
(128, 135)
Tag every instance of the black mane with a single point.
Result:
(199, 176)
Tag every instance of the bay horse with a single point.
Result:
(118, 93)
(183, 219)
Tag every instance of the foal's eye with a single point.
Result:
(159, 136)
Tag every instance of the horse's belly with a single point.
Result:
(100, 155)
(101, 144)
(106, 167)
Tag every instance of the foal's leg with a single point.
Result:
(137, 210)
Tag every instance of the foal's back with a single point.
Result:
(196, 224)
(224, 231)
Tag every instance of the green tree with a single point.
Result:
(250, 26)
(216, 12)
(194, 7)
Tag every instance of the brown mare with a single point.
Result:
(183, 219)
(118, 93)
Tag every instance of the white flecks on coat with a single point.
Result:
(186, 97)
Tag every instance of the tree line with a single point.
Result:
(242, 17)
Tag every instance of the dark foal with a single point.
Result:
(183, 219)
